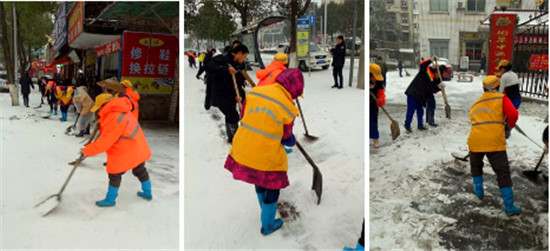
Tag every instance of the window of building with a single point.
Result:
(390, 36)
(439, 48)
(404, 19)
(476, 5)
(474, 50)
(405, 36)
(439, 5)
(403, 3)
(391, 17)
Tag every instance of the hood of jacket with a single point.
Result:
(116, 105)
(293, 81)
(275, 65)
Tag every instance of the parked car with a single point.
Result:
(4, 82)
(318, 57)
(448, 74)
(391, 64)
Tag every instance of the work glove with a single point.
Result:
(290, 141)
(381, 98)
(441, 85)
(508, 128)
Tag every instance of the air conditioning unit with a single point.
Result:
(460, 6)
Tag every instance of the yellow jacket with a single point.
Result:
(257, 143)
(487, 117)
(64, 94)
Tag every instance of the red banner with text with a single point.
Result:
(108, 48)
(149, 55)
(76, 18)
(502, 40)
(538, 62)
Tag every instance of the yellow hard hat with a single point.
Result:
(491, 82)
(281, 57)
(502, 63)
(100, 100)
(126, 83)
(376, 71)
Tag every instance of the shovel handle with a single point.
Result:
(383, 109)
(302, 116)
(540, 160)
(236, 90)
(441, 80)
(248, 79)
(78, 161)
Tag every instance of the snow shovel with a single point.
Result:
(248, 79)
(308, 136)
(317, 176)
(72, 127)
(394, 127)
(236, 91)
(465, 158)
(535, 173)
(523, 133)
(447, 106)
(96, 129)
(407, 73)
(50, 203)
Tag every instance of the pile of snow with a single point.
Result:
(34, 153)
(222, 213)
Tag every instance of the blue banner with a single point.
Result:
(60, 27)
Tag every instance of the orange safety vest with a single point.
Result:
(488, 123)
(268, 75)
(134, 98)
(257, 143)
(121, 137)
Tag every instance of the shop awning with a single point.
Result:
(92, 40)
(62, 60)
(124, 10)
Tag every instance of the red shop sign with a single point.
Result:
(538, 62)
(108, 48)
(76, 26)
(149, 55)
(502, 40)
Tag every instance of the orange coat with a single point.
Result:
(134, 98)
(120, 136)
(51, 86)
(268, 75)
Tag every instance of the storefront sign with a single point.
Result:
(108, 48)
(538, 62)
(149, 61)
(502, 40)
(76, 26)
(60, 28)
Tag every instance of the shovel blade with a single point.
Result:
(533, 175)
(448, 111)
(395, 131)
(48, 205)
(311, 137)
(317, 185)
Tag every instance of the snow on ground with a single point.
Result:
(34, 156)
(222, 213)
(421, 198)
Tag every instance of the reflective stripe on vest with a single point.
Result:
(489, 122)
(131, 135)
(120, 118)
(274, 101)
(485, 100)
(137, 108)
(256, 130)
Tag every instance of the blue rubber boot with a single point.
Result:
(478, 186)
(261, 197)
(288, 150)
(55, 112)
(269, 223)
(51, 111)
(358, 248)
(146, 187)
(63, 116)
(507, 194)
(109, 200)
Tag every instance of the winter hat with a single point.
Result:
(491, 82)
(281, 57)
(126, 83)
(100, 100)
(112, 85)
(502, 63)
(293, 81)
(376, 71)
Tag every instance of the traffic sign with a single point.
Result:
(312, 19)
(302, 22)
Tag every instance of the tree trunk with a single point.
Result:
(8, 56)
(361, 82)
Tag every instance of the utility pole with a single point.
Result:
(352, 58)
(325, 26)
(15, 44)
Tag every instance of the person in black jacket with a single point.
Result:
(224, 96)
(42, 88)
(26, 84)
(430, 102)
(209, 54)
(400, 67)
(338, 60)
(418, 92)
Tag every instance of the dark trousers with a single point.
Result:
(26, 99)
(400, 75)
(231, 119)
(270, 195)
(373, 132)
(64, 108)
(430, 110)
(412, 106)
(208, 96)
(52, 101)
(140, 172)
(337, 72)
(362, 239)
(499, 163)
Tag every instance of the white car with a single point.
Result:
(318, 57)
(4, 82)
